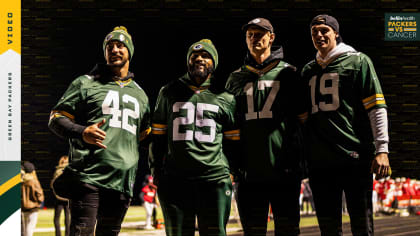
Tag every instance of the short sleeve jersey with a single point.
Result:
(342, 94)
(267, 106)
(126, 109)
(193, 121)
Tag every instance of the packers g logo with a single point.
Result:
(198, 47)
(122, 38)
(228, 192)
(256, 21)
(108, 37)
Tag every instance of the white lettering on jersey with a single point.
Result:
(266, 110)
(200, 121)
(332, 90)
(111, 106)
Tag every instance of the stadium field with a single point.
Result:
(135, 220)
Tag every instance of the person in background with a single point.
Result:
(60, 202)
(308, 198)
(150, 203)
(32, 198)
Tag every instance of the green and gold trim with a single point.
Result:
(10, 181)
(159, 129)
(232, 134)
(264, 70)
(376, 99)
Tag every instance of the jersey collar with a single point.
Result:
(193, 86)
(339, 50)
(263, 70)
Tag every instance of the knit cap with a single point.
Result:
(120, 34)
(204, 45)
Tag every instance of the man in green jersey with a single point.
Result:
(268, 97)
(104, 115)
(193, 134)
(347, 129)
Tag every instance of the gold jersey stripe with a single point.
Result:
(123, 83)
(55, 114)
(235, 131)
(145, 133)
(372, 97)
(264, 70)
(303, 116)
(154, 131)
(10, 184)
(374, 103)
(201, 89)
(159, 126)
(233, 137)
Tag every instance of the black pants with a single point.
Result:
(254, 199)
(90, 205)
(60, 206)
(354, 178)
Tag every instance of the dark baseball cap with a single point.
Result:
(260, 22)
(327, 20)
(28, 167)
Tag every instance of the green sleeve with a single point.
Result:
(231, 139)
(159, 145)
(144, 127)
(64, 115)
(371, 93)
(70, 102)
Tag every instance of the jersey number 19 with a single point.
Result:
(324, 90)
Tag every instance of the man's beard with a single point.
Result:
(202, 75)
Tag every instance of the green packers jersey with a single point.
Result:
(267, 108)
(342, 93)
(188, 126)
(125, 107)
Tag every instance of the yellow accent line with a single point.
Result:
(201, 89)
(10, 26)
(235, 131)
(123, 83)
(10, 184)
(66, 114)
(374, 103)
(390, 29)
(410, 29)
(162, 126)
(145, 133)
(265, 69)
(372, 97)
(303, 115)
(158, 132)
(233, 137)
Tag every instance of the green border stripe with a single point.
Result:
(8, 170)
(9, 203)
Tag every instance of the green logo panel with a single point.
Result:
(402, 26)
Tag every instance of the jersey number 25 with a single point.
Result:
(199, 121)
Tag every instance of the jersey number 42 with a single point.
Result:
(111, 106)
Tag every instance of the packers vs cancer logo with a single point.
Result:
(401, 26)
